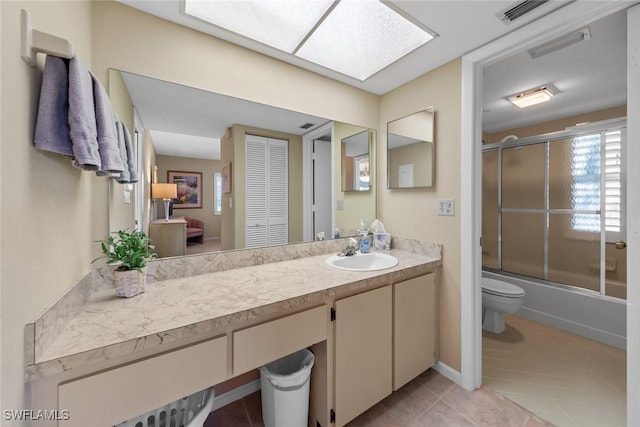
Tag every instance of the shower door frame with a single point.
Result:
(600, 128)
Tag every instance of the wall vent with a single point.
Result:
(518, 10)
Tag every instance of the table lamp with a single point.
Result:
(166, 192)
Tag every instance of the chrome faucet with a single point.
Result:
(350, 249)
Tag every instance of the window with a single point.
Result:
(217, 193)
(585, 189)
(361, 171)
(614, 195)
(590, 160)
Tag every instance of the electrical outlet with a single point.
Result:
(446, 207)
(340, 205)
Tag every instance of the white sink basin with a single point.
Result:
(362, 262)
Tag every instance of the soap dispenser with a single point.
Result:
(365, 244)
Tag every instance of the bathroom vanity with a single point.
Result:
(205, 319)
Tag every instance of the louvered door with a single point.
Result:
(267, 200)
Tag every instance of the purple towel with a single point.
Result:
(82, 117)
(52, 123)
(131, 156)
(124, 177)
(107, 134)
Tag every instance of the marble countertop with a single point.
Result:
(183, 309)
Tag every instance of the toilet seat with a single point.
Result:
(502, 289)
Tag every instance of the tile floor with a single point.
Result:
(429, 400)
(563, 378)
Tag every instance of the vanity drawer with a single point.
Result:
(119, 394)
(264, 343)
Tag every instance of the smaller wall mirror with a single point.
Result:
(410, 150)
(355, 162)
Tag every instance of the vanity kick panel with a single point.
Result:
(123, 393)
(264, 343)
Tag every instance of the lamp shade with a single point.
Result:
(164, 191)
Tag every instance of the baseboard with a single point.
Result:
(448, 372)
(574, 327)
(236, 394)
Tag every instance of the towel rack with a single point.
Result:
(34, 41)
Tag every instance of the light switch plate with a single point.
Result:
(446, 207)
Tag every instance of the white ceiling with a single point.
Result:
(590, 75)
(188, 122)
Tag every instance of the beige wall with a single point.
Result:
(412, 212)
(51, 212)
(207, 168)
(407, 154)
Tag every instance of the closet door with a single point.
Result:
(256, 191)
(278, 184)
(267, 199)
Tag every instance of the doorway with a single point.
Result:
(318, 196)
(569, 18)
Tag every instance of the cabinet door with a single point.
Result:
(414, 328)
(362, 352)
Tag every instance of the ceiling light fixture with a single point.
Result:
(357, 38)
(560, 43)
(533, 96)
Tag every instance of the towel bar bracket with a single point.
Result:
(34, 41)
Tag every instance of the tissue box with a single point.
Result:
(381, 241)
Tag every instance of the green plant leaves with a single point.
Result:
(131, 250)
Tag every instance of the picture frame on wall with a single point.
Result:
(226, 178)
(189, 189)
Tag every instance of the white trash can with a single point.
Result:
(285, 390)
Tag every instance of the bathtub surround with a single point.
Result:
(208, 284)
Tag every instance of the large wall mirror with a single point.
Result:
(410, 150)
(355, 151)
(189, 116)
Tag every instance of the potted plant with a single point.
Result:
(130, 251)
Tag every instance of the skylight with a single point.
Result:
(357, 38)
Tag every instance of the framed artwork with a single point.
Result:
(189, 189)
(226, 178)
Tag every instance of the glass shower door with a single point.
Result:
(554, 210)
(523, 210)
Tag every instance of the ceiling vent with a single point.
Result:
(306, 126)
(518, 10)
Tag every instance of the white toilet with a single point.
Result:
(499, 298)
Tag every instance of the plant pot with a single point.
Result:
(130, 283)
